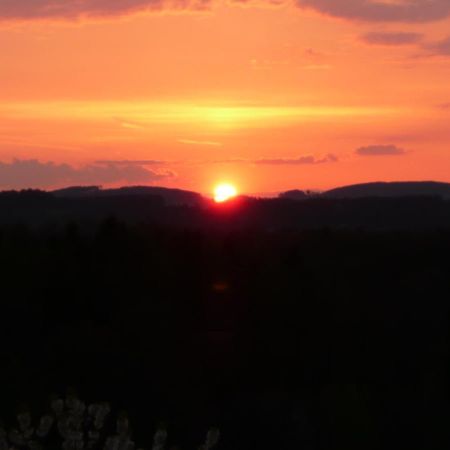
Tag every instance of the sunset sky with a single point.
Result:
(268, 95)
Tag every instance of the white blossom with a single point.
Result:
(212, 438)
(159, 440)
(45, 425)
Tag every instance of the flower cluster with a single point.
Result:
(73, 425)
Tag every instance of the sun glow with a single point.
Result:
(224, 192)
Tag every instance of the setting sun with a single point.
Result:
(223, 192)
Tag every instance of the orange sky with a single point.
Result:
(269, 95)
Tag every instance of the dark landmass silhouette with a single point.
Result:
(301, 322)
(184, 197)
(391, 189)
(76, 191)
(170, 196)
(295, 194)
(375, 206)
(394, 189)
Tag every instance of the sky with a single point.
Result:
(269, 95)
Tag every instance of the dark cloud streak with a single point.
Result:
(380, 150)
(394, 39)
(130, 162)
(32, 173)
(301, 160)
(440, 48)
(413, 11)
(76, 9)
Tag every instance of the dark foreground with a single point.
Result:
(284, 340)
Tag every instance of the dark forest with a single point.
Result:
(326, 332)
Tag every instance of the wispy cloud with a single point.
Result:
(32, 173)
(199, 142)
(380, 150)
(300, 160)
(131, 162)
(391, 39)
(129, 124)
(439, 48)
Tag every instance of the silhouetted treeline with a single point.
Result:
(39, 208)
(395, 189)
(284, 339)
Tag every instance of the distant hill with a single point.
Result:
(170, 196)
(295, 194)
(76, 191)
(391, 190)
(373, 206)
(378, 189)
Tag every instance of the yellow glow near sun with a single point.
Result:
(223, 192)
(141, 114)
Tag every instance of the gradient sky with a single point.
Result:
(269, 95)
